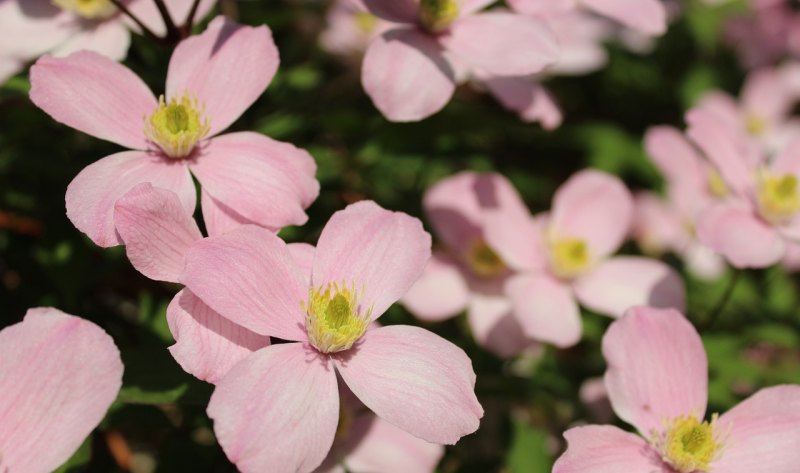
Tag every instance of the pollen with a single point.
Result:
(689, 445)
(438, 15)
(177, 126)
(335, 319)
(569, 257)
(716, 185)
(89, 9)
(755, 125)
(778, 199)
(483, 261)
(365, 22)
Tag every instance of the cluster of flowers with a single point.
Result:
(305, 378)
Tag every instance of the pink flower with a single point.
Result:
(646, 16)
(411, 70)
(59, 375)
(657, 380)
(60, 27)
(246, 176)
(565, 256)
(277, 410)
(349, 29)
(466, 273)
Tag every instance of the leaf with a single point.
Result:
(528, 452)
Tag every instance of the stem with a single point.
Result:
(714, 314)
(186, 29)
(228, 8)
(145, 30)
(173, 33)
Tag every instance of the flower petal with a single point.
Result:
(95, 95)
(149, 14)
(381, 252)
(674, 156)
(743, 239)
(657, 368)
(528, 98)
(207, 345)
(764, 432)
(607, 449)
(502, 43)
(277, 410)
(109, 38)
(387, 449)
(415, 380)
(440, 293)
(593, 206)
(646, 16)
(406, 75)
(626, 281)
(396, 11)
(156, 231)
(31, 28)
(546, 309)
(227, 67)
(494, 326)
(267, 182)
(59, 375)
(218, 217)
(303, 256)
(249, 277)
(91, 196)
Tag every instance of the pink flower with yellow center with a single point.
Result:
(657, 381)
(212, 79)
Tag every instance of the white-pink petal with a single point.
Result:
(646, 16)
(109, 38)
(607, 449)
(494, 326)
(385, 448)
(742, 238)
(440, 293)
(545, 308)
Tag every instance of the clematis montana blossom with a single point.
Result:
(60, 27)
(59, 375)
(349, 29)
(657, 381)
(565, 256)
(411, 70)
(246, 176)
(465, 273)
(278, 409)
(645, 16)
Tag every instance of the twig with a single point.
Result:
(173, 33)
(145, 30)
(186, 29)
(714, 314)
(229, 9)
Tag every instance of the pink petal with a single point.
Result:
(59, 375)
(415, 380)
(156, 231)
(657, 226)
(204, 67)
(546, 309)
(109, 38)
(303, 256)
(502, 43)
(207, 345)
(494, 326)
(387, 449)
(518, 238)
(178, 9)
(741, 237)
(250, 278)
(764, 433)
(537, 7)
(95, 95)
(218, 217)
(787, 161)
(32, 27)
(526, 97)
(646, 16)
(406, 75)
(468, 7)
(381, 251)
(267, 182)
(657, 368)
(625, 281)
(593, 206)
(766, 96)
(607, 449)
(440, 293)
(277, 410)
(674, 156)
(91, 196)
(396, 11)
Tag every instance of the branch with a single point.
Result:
(145, 30)
(173, 33)
(186, 30)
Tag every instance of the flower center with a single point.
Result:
(437, 15)
(755, 125)
(89, 9)
(569, 257)
(483, 261)
(365, 22)
(176, 126)
(334, 317)
(689, 445)
(778, 199)
(716, 185)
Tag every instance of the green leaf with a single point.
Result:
(528, 452)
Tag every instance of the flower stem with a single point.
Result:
(145, 30)
(714, 314)
(186, 29)
(173, 33)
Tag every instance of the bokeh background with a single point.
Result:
(316, 102)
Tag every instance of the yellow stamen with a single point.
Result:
(365, 22)
(483, 261)
(569, 257)
(717, 185)
(437, 15)
(755, 125)
(335, 319)
(176, 126)
(689, 445)
(89, 9)
(778, 199)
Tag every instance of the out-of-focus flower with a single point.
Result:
(411, 70)
(278, 409)
(765, 34)
(59, 375)
(60, 27)
(657, 381)
(350, 29)
(646, 16)
(247, 176)
(466, 273)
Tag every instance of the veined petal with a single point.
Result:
(741, 237)
(109, 38)
(607, 449)
(545, 308)
(440, 293)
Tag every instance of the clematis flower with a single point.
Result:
(349, 29)
(247, 176)
(646, 16)
(60, 27)
(59, 375)
(564, 257)
(466, 273)
(657, 381)
(278, 409)
(411, 70)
